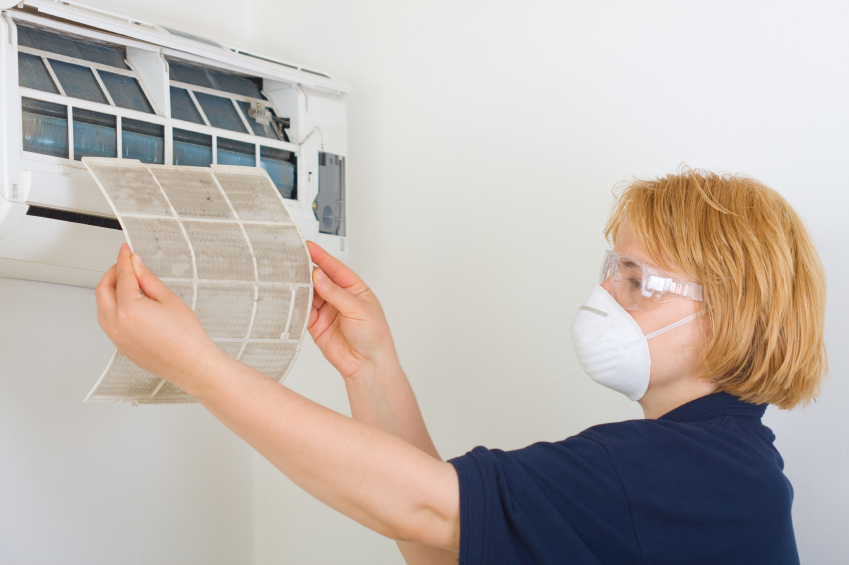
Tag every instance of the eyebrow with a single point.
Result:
(625, 262)
(644, 261)
(649, 263)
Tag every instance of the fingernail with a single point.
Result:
(137, 258)
(320, 277)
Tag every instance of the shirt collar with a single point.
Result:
(713, 405)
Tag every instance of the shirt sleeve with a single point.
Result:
(548, 503)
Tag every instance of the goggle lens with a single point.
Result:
(626, 281)
(631, 282)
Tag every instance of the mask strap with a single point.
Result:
(675, 325)
(683, 321)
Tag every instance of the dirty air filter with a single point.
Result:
(222, 240)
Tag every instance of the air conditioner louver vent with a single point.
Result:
(73, 217)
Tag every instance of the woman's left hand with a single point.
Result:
(150, 324)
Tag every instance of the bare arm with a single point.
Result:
(369, 475)
(378, 391)
(385, 401)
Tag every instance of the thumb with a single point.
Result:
(149, 284)
(346, 303)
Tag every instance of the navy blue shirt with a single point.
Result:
(703, 484)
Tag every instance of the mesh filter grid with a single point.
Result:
(236, 84)
(126, 92)
(225, 310)
(221, 251)
(271, 359)
(220, 112)
(185, 290)
(78, 82)
(301, 313)
(126, 379)
(193, 193)
(162, 246)
(253, 197)
(231, 348)
(71, 47)
(214, 263)
(132, 189)
(171, 392)
(182, 107)
(272, 312)
(188, 73)
(33, 74)
(279, 253)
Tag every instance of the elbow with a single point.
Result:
(431, 527)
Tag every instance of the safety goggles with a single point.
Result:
(637, 286)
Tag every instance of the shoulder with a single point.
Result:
(626, 433)
(581, 454)
(591, 445)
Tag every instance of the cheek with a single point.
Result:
(676, 353)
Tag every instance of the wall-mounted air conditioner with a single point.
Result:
(78, 81)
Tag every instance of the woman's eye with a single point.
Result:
(636, 283)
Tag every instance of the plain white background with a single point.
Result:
(485, 138)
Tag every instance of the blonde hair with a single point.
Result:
(764, 286)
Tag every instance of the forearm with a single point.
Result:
(383, 399)
(369, 475)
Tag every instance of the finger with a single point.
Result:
(324, 309)
(104, 292)
(127, 287)
(313, 316)
(150, 283)
(326, 318)
(315, 310)
(336, 270)
(317, 301)
(327, 314)
(346, 303)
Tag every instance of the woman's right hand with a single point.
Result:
(346, 321)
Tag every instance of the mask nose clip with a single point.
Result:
(593, 310)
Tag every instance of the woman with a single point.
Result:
(710, 307)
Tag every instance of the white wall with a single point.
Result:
(105, 483)
(484, 139)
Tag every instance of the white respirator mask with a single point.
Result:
(611, 346)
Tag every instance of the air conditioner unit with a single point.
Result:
(77, 81)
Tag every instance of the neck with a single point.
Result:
(659, 400)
